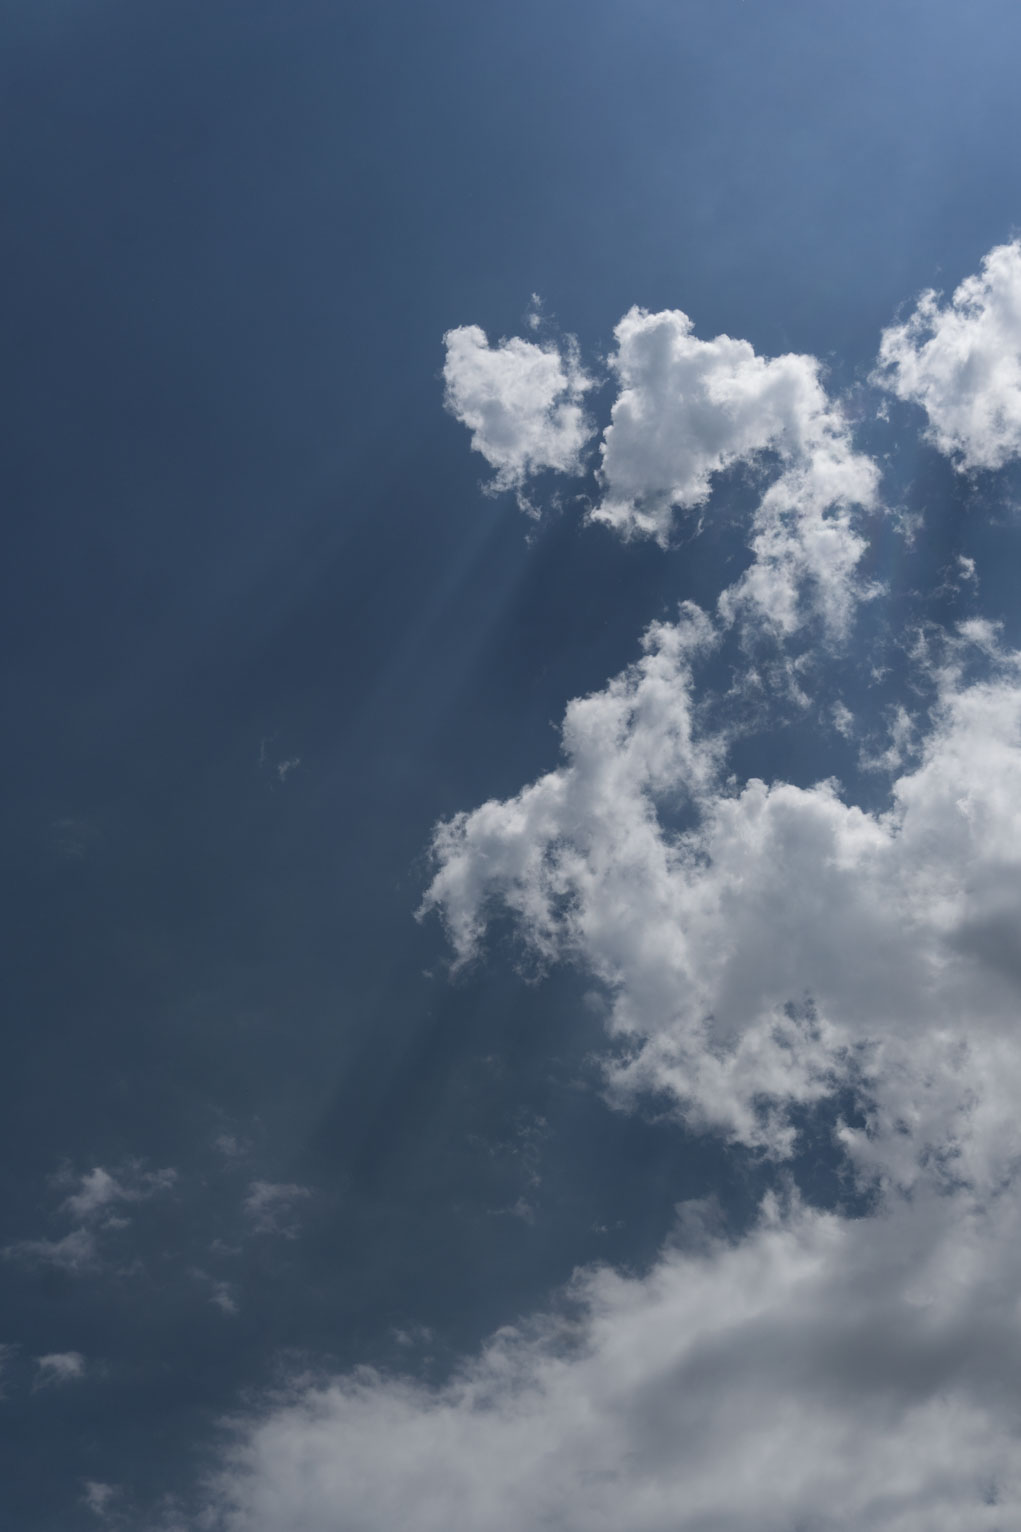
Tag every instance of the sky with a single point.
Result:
(511, 807)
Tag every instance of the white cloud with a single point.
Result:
(272, 1207)
(761, 946)
(962, 363)
(59, 1367)
(822, 1372)
(522, 402)
(787, 942)
(843, 719)
(806, 545)
(687, 410)
(900, 735)
(967, 572)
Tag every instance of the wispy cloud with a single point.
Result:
(59, 1367)
(273, 1207)
(95, 1209)
(101, 1499)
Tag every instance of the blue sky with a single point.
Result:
(336, 475)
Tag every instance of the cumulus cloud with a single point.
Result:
(688, 409)
(961, 362)
(272, 1207)
(763, 948)
(807, 546)
(59, 1367)
(760, 945)
(785, 942)
(821, 1372)
(522, 402)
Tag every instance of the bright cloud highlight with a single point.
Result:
(961, 362)
(786, 943)
(686, 410)
(521, 401)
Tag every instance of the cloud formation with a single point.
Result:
(99, 1189)
(764, 948)
(59, 1367)
(95, 1209)
(521, 401)
(101, 1499)
(961, 362)
(821, 1372)
(686, 410)
(785, 943)
(272, 1207)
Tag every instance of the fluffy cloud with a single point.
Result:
(821, 1372)
(806, 545)
(785, 943)
(759, 945)
(521, 401)
(962, 363)
(686, 410)
(762, 947)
